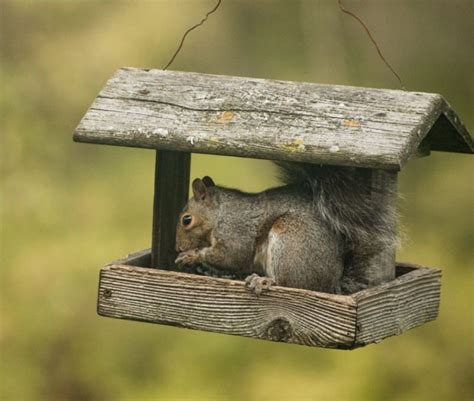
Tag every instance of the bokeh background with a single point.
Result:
(67, 209)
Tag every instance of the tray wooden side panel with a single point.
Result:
(397, 306)
(128, 291)
(225, 306)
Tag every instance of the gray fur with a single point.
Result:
(318, 232)
(341, 196)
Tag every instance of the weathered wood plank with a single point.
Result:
(392, 308)
(281, 314)
(139, 259)
(171, 194)
(225, 306)
(373, 259)
(384, 195)
(265, 119)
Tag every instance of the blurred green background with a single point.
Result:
(67, 209)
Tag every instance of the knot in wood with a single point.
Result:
(279, 330)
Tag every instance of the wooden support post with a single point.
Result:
(383, 188)
(372, 260)
(171, 194)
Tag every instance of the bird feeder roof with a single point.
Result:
(281, 120)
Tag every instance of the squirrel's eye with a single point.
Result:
(186, 220)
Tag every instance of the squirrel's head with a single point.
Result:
(197, 219)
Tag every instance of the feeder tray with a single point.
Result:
(130, 289)
(179, 113)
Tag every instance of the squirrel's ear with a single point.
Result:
(208, 182)
(199, 189)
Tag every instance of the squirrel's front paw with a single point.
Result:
(187, 258)
(257, 284)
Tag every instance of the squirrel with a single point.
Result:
(319, 231)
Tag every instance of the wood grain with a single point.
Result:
(225, 306)
(281, 314)
(384, 194)
(392, 308)
(330, 124)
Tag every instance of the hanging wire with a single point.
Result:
(189, 30)
(344, 10)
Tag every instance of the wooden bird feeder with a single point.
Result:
(179, 113)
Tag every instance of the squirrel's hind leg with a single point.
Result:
(302, 252)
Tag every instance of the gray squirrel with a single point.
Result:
(320, 231)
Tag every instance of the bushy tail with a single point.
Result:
(342, 196)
